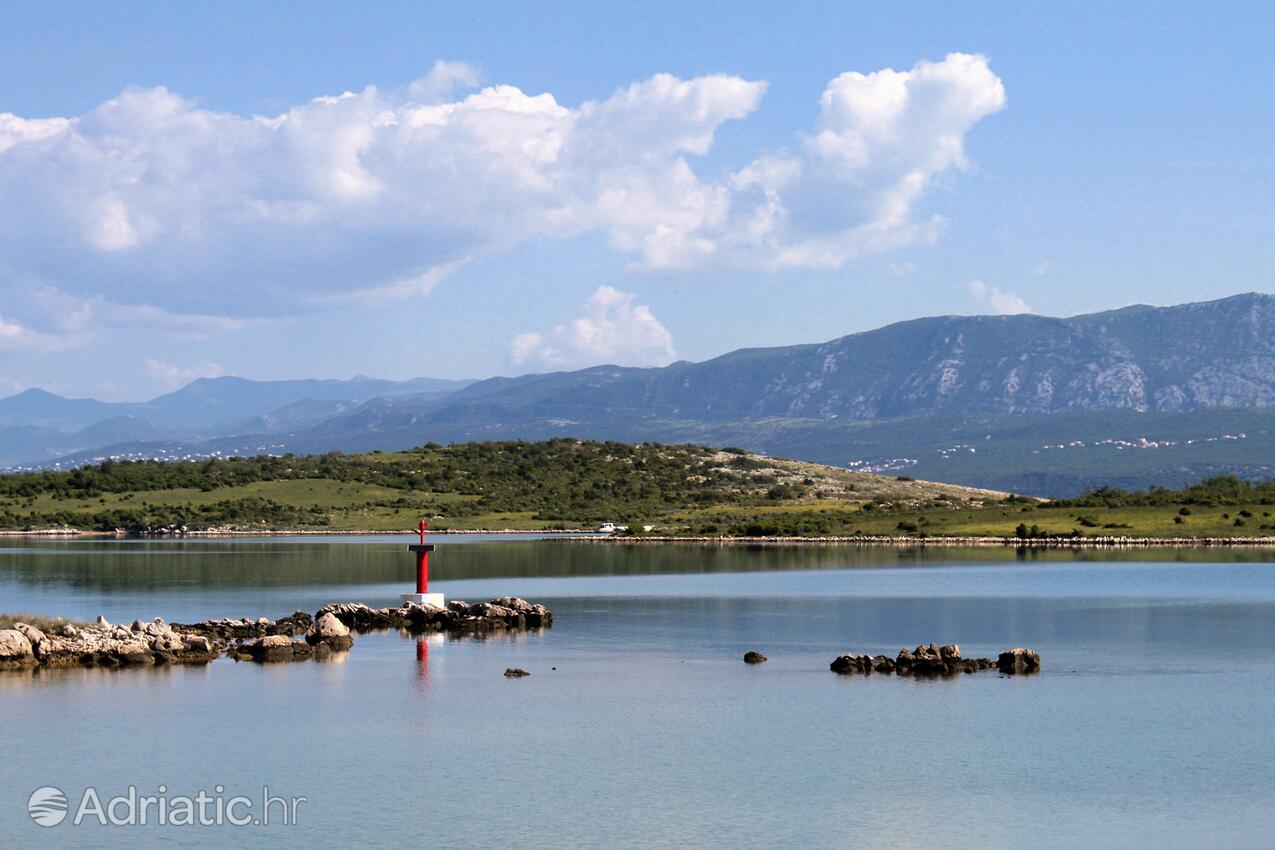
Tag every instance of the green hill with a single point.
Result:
(567, 483)
(561, 483)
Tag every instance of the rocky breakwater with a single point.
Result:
(103, 645)
(508, 613)
(935, 660)
(262, 639)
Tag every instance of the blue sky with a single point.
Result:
(681, 192)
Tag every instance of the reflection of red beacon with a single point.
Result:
(422, 596)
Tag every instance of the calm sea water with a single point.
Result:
(1151, 725)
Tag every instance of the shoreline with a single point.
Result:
(584, 536)
(986, 542)
(577, 533)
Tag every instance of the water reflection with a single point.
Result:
(197, 565)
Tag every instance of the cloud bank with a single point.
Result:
(150, 199)
(611, 329)
(999, 301)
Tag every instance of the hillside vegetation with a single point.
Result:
(566, 483)
(557, 483)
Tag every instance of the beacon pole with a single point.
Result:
(422, 596)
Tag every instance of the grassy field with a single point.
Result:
(571, 484)
(994, 519)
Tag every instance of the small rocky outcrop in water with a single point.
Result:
(515, 673)
(932, 660)
(753, 658)
(1019, 660)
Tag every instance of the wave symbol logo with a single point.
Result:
(47, 806)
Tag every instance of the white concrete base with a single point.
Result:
(435, 599)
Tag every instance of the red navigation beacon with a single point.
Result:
(422, 596)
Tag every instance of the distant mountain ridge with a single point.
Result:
(1019, 373)
(207, 402)
(37, 425)
(1164, 359)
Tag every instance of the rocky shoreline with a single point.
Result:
(936, 661)
(576, 535)
(331, 629)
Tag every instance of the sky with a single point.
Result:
(291, 190)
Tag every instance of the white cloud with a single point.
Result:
(150, 199)
(171, 375)
(443, 81)
(612, 329)
(997, 300)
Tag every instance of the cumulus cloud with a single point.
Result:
(151, 199)
(611, 329)
(172, 375)
(997, 300)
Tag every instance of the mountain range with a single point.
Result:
(894, 398)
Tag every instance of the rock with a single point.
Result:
(15, 648)
(950, 652)
(329, 626)
(102, 623)
(32, 634)
(423, 617)
(68, 631)
(329, 629)
(515, 673)
(131, 652)
(851, 663)
(1019, 660)
(197, 643)
(753, 658)
(272, 648)
(168, 642)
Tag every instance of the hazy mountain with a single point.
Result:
(1191, 357)
(40, 409)
(210, 403)
(907, 392)
(36, 425)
